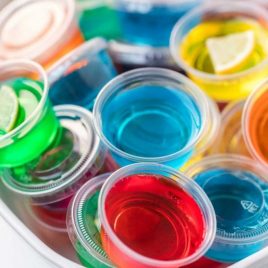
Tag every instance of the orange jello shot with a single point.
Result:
(255, 123)
(40, 30)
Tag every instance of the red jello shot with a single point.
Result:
(153, 216)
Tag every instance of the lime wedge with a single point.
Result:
(230, 52)
(9, 107)
(28, 102)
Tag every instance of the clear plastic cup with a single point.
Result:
(42, 30)
(221, 87)
(97, 18)
(210, 136)
(152, 115)
(237, 187)
(78, 77)
(230, 139)
(134, 197)
(37, 130)
(255, 123)
(83, 224)
(149, 22)
(50, 181)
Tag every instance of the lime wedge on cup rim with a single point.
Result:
(9, 107)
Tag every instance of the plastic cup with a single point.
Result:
(237, 187)
(83, 224)
(230, 138)
(42, 30)
(50, 181)
(151, 115)
(78, 77)
(221, 87)
(40, 128)
(149, 22)
(255, 123)
(97, 18)
(139, 227)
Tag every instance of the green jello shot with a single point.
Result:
(28, 125)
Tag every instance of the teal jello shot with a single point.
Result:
(152, 115)
(237, 187)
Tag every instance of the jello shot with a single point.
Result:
(150, 22)
(28, 124)
(41, 30)
(153, 216)
(97, 18)
(84, 226)
(223, 48)
(230, 138)
(237, 187)
(49, 181)
(255, 124)
(78, 77)
(151, 115)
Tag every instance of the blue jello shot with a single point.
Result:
(237, 187)
(150, 22)
(152, 115)
(78, 77)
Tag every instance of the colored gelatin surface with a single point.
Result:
(22, 97)
(240, 201)
(194, 51)
(100, 21)
(151, 121)
(145, 214)
(148, 23)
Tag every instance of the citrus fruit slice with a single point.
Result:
(28, 102)
(9, 107)
(229, 53)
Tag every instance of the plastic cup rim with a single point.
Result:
(173, 46)
(42, 75)
(170, 3)
(203, 203)
(195, 92)
(234, 159)
(73, 175)
(78, 200)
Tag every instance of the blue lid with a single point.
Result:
(238, 190)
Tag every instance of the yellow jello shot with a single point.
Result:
(223, 48)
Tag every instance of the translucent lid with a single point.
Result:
(29, 29)
(75, 151)
(83, 220)
(237, 187)
(140, 55)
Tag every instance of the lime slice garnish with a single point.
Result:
(28, 102)
(230, 52)
(9, 107)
